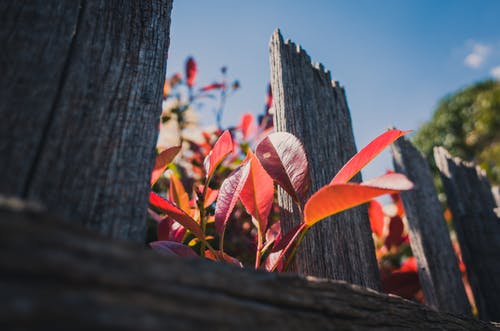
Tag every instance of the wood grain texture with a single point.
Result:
(307, 104)
(477, 226)
(81, 96)
(438, 270)
(68, 278)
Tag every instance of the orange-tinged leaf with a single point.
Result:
(176, 213)
(178, 194)
(377, 216)
(258, 192)
(162, 161)
(284, 158)
(222, 148)
(223, 257)
(364, 156)
(334, 198)
(228, 196)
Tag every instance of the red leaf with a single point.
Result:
(213, 86)
(222, 148)
(224, 257)
(284, 158)
(247, 126)
(190, 72)
(228, 196)
(162, 161)
(258, 192)
(395, 236)
(282, 247)
(376, 215)
(334, 198)
(178, 194)
(269, 98)
(396, 198)
(176, 213)
(358, 161)
(171, 248)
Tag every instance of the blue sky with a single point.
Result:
(396, 58)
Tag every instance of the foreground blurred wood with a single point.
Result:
(472, 204)
(59, 276)
(80, 91)
(309, 105)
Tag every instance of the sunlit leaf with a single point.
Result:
(284, 158)
(178, 194)
(332, 199)
(258, 192)
(176, 213)
(162, 161)
(222, 148)
(376, 215)
(228, 196)
(172, 248)
(364, 156)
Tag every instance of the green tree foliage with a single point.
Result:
(467, 124)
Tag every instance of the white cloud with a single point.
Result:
(478, 55)
(495, 72)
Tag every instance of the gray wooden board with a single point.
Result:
(307, 104)
(438, 270)
(81, 89)
(477, 226)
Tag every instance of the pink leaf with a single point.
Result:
(222, 148)
(171, 248)
(258, 192)
(284, 159)
(176, 213)
(228, 196)
(358, 161)
(334, 198)
(162, 161)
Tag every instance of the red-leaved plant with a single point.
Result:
(279, 158)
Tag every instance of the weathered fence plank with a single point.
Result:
(308, 105)
(75, 280)
(477, 226)
(81, 92)
(438, 270)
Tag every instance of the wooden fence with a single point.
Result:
(94, 92)
(310, 105)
